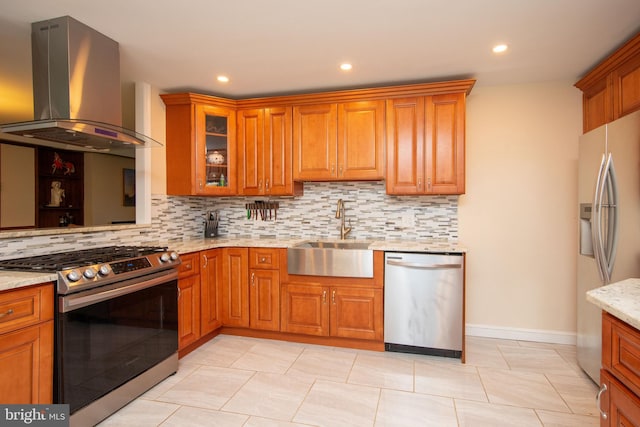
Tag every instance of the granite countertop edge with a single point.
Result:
(620, 299)
(10, 279)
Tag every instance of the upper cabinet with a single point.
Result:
(410, 135)
(426, 145)
(612, 89)
(264, 152)
(339, 141)
(201, 145)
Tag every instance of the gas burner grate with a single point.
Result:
(59, 261)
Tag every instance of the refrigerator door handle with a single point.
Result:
(612, 216)
(596, 221)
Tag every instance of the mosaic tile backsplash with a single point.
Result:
(372, 213)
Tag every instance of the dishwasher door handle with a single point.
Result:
(424, 266)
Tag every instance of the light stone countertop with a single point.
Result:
(621, 299)
(194, 245)
(10, 279)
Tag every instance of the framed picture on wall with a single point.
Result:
(128, 187)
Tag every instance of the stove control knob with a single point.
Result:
(73, 276)
(89, 273)
(104, 270)
(164, 257)
(174, 256)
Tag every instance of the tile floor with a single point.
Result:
(236, 381)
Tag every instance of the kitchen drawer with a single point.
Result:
(190, 265)
(25, 307)
(621, 351)
(266, 258)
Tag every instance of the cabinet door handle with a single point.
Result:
(200, 183)
(341, 173)
(419, 183)
(6, 313)
(428, 183)
(260, 185)
(333, 169)
(333, 297)
(267, 186)
(204, 260)
(253, 278)
(602, 390)
(324, 297)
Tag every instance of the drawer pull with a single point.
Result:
(602, 390)
(263, 259)
(6, 313)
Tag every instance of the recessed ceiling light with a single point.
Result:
(346, 66)
(500, 48)
(223, 79)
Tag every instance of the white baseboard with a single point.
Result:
(537, 335)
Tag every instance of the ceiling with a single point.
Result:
(292, 46)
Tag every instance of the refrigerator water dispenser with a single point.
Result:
(586, 245)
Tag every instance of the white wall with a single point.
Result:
(518, 217)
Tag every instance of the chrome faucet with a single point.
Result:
(340, 214)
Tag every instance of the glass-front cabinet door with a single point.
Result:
(215, 151)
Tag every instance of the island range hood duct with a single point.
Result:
(76, 89)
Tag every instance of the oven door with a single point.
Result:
(105, 337)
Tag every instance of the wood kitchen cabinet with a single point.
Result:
(201, 145)
(337, 307)
(264, 292)
(620, 374)
(337, 311)
(250, 294)
(339, 141)
(211, 262)
(188, 300)
(426, 145)
(612, 88)
(26, 345)
(234, 287)
(264, 152)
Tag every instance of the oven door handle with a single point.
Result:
(79, 300)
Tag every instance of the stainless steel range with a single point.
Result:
(116, 328)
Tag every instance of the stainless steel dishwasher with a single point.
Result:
(423, 303)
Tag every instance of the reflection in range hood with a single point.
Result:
(76, 88)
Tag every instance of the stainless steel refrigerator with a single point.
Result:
(609, 197)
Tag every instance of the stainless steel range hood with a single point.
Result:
(76, 89)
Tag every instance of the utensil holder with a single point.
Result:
(211, 224)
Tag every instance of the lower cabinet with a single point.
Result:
(26, 345)
(251, 288)
(264, 292)
(211, 264)
(619, 396)
(337, 311)
(188, 300)
(234, 289)
(618, 402)
(241, 290)
(199, 277)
